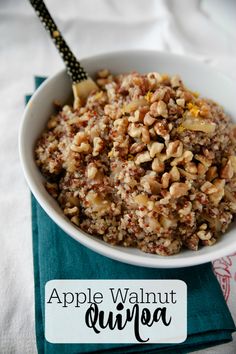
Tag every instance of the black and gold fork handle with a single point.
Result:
(82, 84)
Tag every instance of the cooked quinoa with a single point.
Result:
(145, 163)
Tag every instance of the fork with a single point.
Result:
(82, 84)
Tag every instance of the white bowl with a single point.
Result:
(197, 76)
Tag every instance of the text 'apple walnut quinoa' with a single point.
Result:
(145, 163)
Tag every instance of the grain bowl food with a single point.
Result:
(145, 163)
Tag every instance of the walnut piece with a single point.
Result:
(137, 147)
(157, 165)
(174, 149)
(142, 157)
(216, 197)
(227, 171)
(98, 146)
(91, 171)
(149, 120)
(134, 130)
(159, 109)
(178, 189)
(155, 148)
(165, 180)
(185, 158)
(208, 188)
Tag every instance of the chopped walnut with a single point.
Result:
(191, 168)
(181, 102)
(162, 93)
(134, 130)
(174, 174)
(155, 148)
(142, 157)
(187, 175)
(150, 185)
(178, 189)
(154, 79)
(82, 148)
(208, 188)
(137, 117)
(227, 171)
(175, 81)
(165, 180)
(158, 165)
(91, 171)
(75, 220)
(162, 109)
(185, 158)
(153, 110)
(79, 138)
(201, 169)
(149, 120)
(71, 211)
(209, 242)
(134, 105)
(98, 146)
(216, 197)
(161, 128)
(203, 235)
(174, 149)
(232, 159)
(145, 135)
(204, 160)
(137, 147)
(159, 109)
(186, 210)
(203, 227)
(97, 203)
(121, 125)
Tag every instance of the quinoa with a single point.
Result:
(145, 163)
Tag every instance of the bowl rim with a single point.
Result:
(103, 248)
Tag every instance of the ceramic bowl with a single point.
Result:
(197, 76)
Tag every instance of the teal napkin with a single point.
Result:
(58, 256)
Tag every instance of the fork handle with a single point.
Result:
(74, 69)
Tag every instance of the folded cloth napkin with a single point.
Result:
(58, 256)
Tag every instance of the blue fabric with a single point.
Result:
(58, 256)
